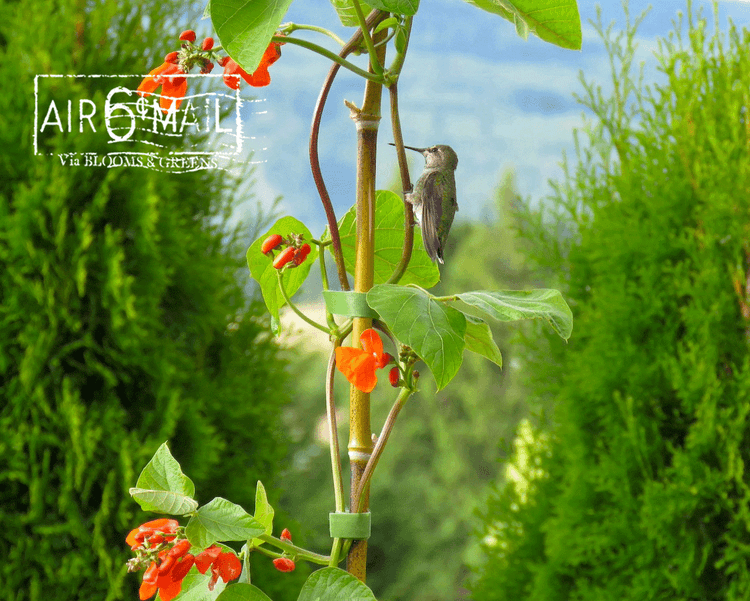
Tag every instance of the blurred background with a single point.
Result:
(610, 467)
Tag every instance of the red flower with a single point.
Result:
(173, 82)
(359, 365)
(226, 565)
(148, 532)
(258, 78)
(284, 564)
(286, 535)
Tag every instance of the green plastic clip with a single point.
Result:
(349, 304)
(349, 525)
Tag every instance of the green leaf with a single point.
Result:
(389, 22)
(346, 12)
(207, 11)
(162, 487)
(513, 305)
(333, 584)
(400, 7)
(554, 21)
(243, 592)
(162, 501)
(434, 330)
(221, 520)
(263, 512)
(389, 242)
(263, 272)
(245, 27)
(479, 340)
(195, 587)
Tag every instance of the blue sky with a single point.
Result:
(469, 81)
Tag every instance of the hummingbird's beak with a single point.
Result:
(422, 150)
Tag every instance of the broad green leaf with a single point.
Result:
(245, 27)
(554, 21)
(263, 272)
(514, 305)
(334, 584)
(162, 486)
(221, 520)
(243, 592)
(347, 14)
(433, 329)
(479, 340)
(263, 512)
(400, 7)
(389, 242)
(195, 587)
(162, 501)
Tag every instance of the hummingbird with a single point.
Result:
(435, 194)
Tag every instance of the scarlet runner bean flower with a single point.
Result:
(223, 564)
(284, 257)
(359, 365)
(271, 243)
(173, 84)
(284, 564)
(148, 532)
(258, 78)
(393, 376)
(286, 535)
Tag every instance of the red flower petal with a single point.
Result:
(371, 343)
(170, 590)
(180, 570)
(204, 560)
(358, 367)
(229, 566)
(147, 590)
(173, 90)
(148, 85)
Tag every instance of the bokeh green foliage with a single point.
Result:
(118, 287)
(444, 448)
(641, 492)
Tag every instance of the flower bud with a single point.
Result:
(393, 376)
(172, 57)
(284, 564)
(188, 35)
(223, 61)
(207, 44)
(180, 548)
(286, 535)
(271, 242)
(305, 250)
(284, 257)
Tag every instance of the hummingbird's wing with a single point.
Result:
(432, 213)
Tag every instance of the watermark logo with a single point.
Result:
(138, 132)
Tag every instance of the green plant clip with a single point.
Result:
(355, 526)
(349, 304)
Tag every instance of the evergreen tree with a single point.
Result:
(641, 493)
(123, 321)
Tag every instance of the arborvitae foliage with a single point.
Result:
(644, 493)
(123, 320)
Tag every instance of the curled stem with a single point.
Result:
(294, 308)
(406, 185)
(373, 18)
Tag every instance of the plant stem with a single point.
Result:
(333, 435)
(375, 63)
(292, 27)
(359, 499)
(328, 54)
(360, 433)
(406, 186)
(294, 308)
(372, 19)
(297, 552)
